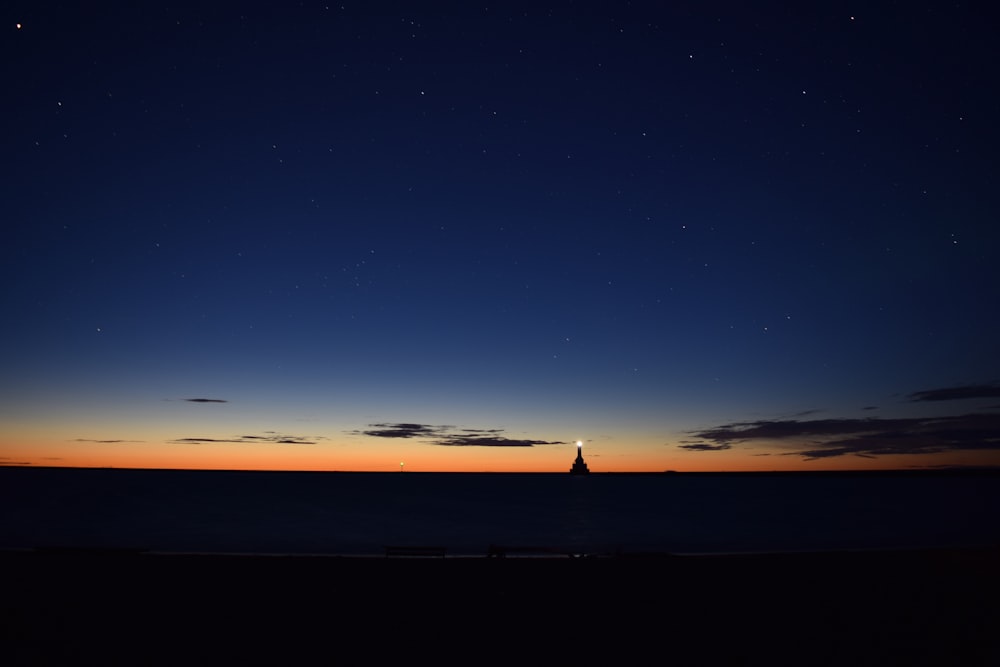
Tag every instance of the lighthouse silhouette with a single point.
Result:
(579, 465)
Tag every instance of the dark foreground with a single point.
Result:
(883, 608)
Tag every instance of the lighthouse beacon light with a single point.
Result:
(579, 465)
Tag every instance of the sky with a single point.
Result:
(701, 236)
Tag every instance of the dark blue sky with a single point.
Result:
(626, 223)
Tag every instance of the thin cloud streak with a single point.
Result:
(404, 430)
(269, 438)
(449, 436)
(957, 393)
(105, 442)
(705, 447)
(867, 438)
(490, 441)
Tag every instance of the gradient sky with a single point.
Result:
(346, 236)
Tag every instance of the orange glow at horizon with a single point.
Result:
(381, 457)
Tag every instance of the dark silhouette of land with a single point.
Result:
(483, 568)
(876, 608)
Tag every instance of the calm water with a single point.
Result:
(358, 513)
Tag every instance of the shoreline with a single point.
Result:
(891, 472)
(502, 552)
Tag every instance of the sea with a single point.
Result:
(472, 514)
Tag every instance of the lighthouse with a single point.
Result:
(579, 465)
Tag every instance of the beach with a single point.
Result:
(861, 608)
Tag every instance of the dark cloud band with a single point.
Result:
(449, 436)
(267, 438)
(957, 393)
(827, 438)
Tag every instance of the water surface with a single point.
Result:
(359, 513)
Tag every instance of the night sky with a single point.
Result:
(363, 236)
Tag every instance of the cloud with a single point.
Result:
(867, 438)
(206, 400)
(957, 393)
(103, 442)
(106, 442)
(189, 440)
(793, 428)
(457, 440)
(403, 430)
(449, 436)
(705, 447)
(269, 437)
